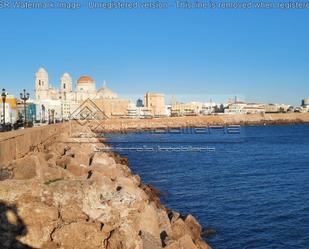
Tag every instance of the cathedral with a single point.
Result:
(85, 88)
(64, 100)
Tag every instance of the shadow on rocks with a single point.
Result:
(11, 228)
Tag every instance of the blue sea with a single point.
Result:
(252, 187)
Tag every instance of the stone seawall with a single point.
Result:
(16, 144)
(74, 193)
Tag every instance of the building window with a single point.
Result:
(39, 82)
(64, 86)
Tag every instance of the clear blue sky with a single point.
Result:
(262, 55)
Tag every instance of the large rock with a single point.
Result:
(179, 229)
(186, 242)
(124, 237)
(82, 158)
(102, 159)
(63, 161)
(77, 170)
(25, 168)
(40, 221)
(149, 241)
(202, 244)
(72, 213)
(149, 222)
(194, 227)
(79, 235)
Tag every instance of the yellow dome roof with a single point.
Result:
(85, 79)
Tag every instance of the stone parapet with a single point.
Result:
(16, 144)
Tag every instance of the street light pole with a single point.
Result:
(43, 114)
(25, 96)
(3, 96)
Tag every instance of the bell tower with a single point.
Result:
(66, 85)
(41, 84)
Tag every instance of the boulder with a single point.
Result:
(40, 221)
(63, 161)
(194, 227)
(79, 235)
(179, 229)
(149, 223)
(77, 170)
(72, 213)
(149, 241)
(102, 159)
(186, 242)
(201, 244)
(25, 168)
(82, 158)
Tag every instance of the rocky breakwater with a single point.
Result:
(74, 195)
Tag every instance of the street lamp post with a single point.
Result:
(25, 96)
(43, 114)
(3, 96)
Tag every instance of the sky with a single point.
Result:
(260, 55)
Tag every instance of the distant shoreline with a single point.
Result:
(127, 125)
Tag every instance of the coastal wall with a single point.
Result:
(16, 144)
(74, 193)
(119, 125)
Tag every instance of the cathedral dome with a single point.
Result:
(85, 79)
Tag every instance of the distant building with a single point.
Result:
(240, 107)
(277, 108)
(139, 103)
(47, 110)
(31, 111)
(11, 112)
(132, 110)
(155, 103)
(305, 103)
(186, 109)
(211, 107)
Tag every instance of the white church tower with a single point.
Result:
(66, 85)
(41, 85)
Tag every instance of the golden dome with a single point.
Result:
(85, 79)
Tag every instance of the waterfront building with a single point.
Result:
(11, 112)
(305, 103)
(277, 108)
(31, 110)
(239, 107)
(132, 110)
(139, 103)
(186, 109)
(168, 110)
(209, 108)
(155, 104)
(135, 111)
(48, 109)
